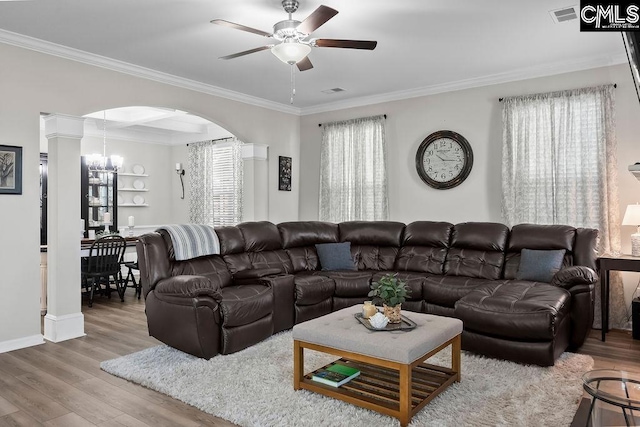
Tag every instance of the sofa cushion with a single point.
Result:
(516, 309)
(212, 267)
(260, 236)
(539, 237)
(335, 256)
(421, 258)
(472, 263)
(447, 290)
(304, 258)
(378, 233)
(231, 240)
(237, 262)
(245, 304)
(539, 266)
(424, 247)
(271, 259)
(349, 283)
(307, 233)
(427, 233)
(477, 250)
(369, 257)
(312, 290)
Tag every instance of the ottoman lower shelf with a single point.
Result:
(380, 386)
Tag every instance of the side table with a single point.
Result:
(606, 264)
(613, 387)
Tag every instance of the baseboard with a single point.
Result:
(19, 343)
(62, 328)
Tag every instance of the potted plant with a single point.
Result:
(393, 292)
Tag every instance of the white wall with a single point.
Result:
(476, 114)
(156, 160)
(31, 83)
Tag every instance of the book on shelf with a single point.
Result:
(335, 375)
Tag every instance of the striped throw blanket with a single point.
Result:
(192, 240)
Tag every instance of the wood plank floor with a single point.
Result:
(62, 384)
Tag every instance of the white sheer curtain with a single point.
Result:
(353, 171)
(559, 167)
(215, 171)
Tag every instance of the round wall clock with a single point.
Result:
(444, 159)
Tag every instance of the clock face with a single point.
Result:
(444, 159)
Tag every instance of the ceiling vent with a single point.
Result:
(334, 90)
(565, 14)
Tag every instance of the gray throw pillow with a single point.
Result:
(335, 256)
(539, 266)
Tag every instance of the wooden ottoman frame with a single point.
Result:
(392, 388)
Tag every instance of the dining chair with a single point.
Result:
(103, 262)
(136, 283)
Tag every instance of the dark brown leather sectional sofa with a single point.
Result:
(267, 278)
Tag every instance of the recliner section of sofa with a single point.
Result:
(268, 277)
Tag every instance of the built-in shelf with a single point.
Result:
(133, 189)
(132, 205)
(132, 174)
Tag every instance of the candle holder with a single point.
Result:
(106, 226)
(131, 231)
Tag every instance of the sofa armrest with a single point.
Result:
(188, 287)
(245, 277)
(575, 275)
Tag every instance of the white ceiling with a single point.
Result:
(151, 124)
(422, 45)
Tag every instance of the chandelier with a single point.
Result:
(98, 161)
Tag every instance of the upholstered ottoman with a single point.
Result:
(394, 379)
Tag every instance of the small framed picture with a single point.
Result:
(10, 169)
(284, 173)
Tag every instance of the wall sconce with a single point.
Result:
(180, 173)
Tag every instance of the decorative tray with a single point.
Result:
(406, 324)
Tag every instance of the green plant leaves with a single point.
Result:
(391, 290)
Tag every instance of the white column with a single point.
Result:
(255, 186)
(64, 319)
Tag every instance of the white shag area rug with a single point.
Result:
(254, 387)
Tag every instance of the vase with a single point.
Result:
(368, 309)
(392, 313)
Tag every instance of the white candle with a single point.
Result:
(132, 221)
(178, 166)
(82, 225)
(106, 218)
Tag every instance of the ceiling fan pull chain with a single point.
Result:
(293, 84)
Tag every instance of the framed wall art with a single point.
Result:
(284, 173)
(10, 169)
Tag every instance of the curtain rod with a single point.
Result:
(615, 85)
(384, 115)
(220, 139)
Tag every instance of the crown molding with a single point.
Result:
(38, 45)
(493, 79)
(54, 49)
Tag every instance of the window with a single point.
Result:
(559, 159)
(559, 167)
(216, 182)
(353, 172)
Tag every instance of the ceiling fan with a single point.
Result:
(293, 36)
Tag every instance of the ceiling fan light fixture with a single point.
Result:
(291, 52)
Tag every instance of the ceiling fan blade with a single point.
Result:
(246, 52)
(314, 21)
(305, 64)
(240, 27)
(346, 44)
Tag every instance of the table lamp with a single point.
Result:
(632, 217)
